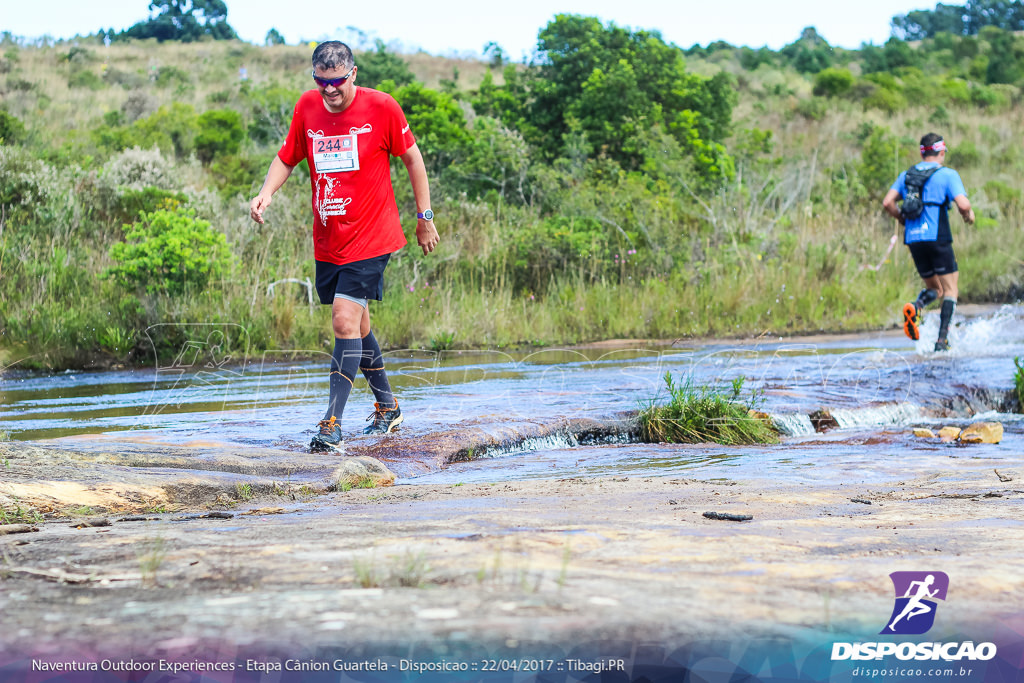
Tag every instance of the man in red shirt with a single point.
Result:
(347, 136)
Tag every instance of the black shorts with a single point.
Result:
(933, 258)
(359, 279)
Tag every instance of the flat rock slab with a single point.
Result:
(134, 478)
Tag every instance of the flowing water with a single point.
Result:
(876, 386)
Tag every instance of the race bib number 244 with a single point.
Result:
(336, 153)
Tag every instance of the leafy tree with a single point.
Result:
(810, 53)
(967, 19)
(921, 24)
(380, 65)
(604, 85)
(437, 121)
(274, 37)
(1005, 67)
(184, 20)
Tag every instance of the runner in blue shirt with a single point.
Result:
(929, 238)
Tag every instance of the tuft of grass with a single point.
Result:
(350, 482)
(409, 570)
(151, 556)
(697, 414)
(20, 515)
(1018, 382)
(367, 573)
(244, 491)
(442, 341)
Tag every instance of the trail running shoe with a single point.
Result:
(942, 345)
(329, 438)
(911, 318)
(385, 420)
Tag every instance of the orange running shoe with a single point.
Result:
(910, 321)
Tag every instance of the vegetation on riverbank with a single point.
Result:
(744, 202)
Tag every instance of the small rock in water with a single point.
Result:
(823, 420)
(924, 433)
(983, 432)
(949, 433)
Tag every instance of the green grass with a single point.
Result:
(1018, 382)
(698, 414)
(350, 482)
(20, 515)
(244, 491)
(779, 251)
(151, 556)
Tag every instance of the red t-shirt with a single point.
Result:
(354, 211)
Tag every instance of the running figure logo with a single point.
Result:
(916, 592)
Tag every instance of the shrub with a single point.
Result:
(811, 109)
(964, 154)
(166, 76)
(833, 82)
(271, 113)
(956, 91)
(169, 252)
(1002, 193)
(12, 130)
(220, 134)
(236, 174)
(136, 169)
(887, 100)
(85, 79)
(880, 161)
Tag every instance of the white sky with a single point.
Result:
(464, 26)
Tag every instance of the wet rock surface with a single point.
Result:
(538, 561)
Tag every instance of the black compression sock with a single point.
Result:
(948, 306)
(371, 363)
(925, 297)
(344, 366)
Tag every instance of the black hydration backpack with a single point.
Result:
(913, 202)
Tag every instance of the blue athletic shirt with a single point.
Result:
(933, 223)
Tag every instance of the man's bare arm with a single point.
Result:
(276, 177)
(426, 233)
(963, 205)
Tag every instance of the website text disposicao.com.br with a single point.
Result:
(907, 672)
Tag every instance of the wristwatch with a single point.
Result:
(427, 215)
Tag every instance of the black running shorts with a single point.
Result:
(933, 258)
(359, 279)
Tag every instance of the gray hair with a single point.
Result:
(332, 54)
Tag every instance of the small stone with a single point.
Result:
(924, 433)
(949, 433)
(983, 432)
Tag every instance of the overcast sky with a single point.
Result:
(463, 27)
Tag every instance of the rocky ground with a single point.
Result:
(136, 553)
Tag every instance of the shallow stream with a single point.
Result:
(876, 385)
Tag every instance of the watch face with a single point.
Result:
(428, 215)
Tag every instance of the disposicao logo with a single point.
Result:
(914, 614)
(916, 593)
